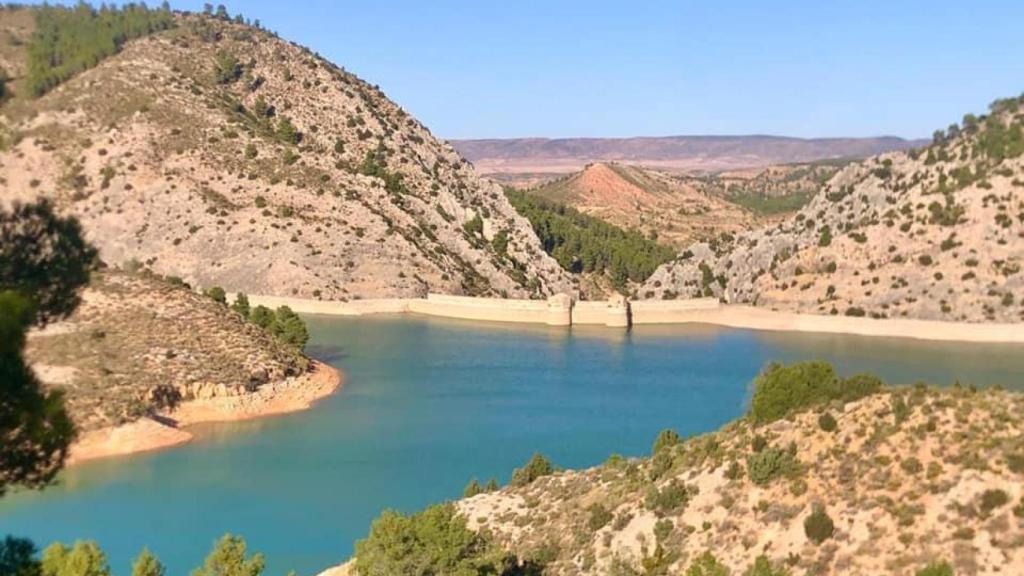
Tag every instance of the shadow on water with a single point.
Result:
(326, 353)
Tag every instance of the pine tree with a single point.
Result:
(67, 41)
(472, 489)
(147, 565)
(83, 559)
(17, 557)
(290, 328)
(241, 304)
(228, 559)
(262, 316)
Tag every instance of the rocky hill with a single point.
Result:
(660, 205)
(220, 153)
(826, 475)
(138, 344)
(533, 156)
(933, 233)
(884, 485)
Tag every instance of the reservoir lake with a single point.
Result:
(426, 405)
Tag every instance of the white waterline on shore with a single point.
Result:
(620, 313)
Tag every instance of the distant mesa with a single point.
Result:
(524, 156)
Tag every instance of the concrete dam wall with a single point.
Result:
(561, 310)
(558, 310)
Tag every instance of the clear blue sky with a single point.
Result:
(553, 68)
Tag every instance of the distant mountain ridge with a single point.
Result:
(702, 152)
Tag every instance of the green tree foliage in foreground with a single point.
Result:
(43, 257)
(779, 390)
(43, 262)
(434, 541)
(68, 41)
(82, 559)
(228, 559)
(147, 565)
(17, 557)
(582, 243)
(85, 558)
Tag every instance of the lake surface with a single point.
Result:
(426, 405)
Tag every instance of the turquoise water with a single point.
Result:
(427, 404)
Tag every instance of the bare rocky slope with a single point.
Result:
(891, 483)
(138, 344)
(934, 233)
(219, 153)
(527, 156)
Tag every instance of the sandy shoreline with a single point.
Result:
(752, 318)
(667, 312)
(167, 430)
